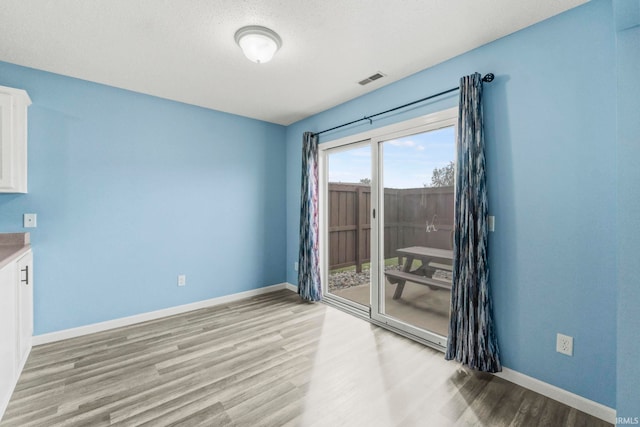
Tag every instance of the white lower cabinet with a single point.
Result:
(16, 323)
(8, 333)
(25, 306)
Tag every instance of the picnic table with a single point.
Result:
(431, 260)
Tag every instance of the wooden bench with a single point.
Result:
(440, 266)
(400, 277)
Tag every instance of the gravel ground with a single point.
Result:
(347, 279)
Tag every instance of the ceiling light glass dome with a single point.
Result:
(259, 44)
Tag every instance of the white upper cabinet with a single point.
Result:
(13, 140)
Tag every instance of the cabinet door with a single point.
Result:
(25, 305)
(13, 140)
(8, 332)
(6, 139)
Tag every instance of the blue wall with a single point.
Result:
(132, 190)
(551, 142)
(627, 14)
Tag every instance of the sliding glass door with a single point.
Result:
(347, 196)
(386, 218)
(415, 228)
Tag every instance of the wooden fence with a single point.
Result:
(412, 217)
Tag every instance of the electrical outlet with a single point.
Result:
(30, 220)
(564, 344)
(295, 266)
(492, 223)
(182, 280)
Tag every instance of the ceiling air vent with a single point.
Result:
(369, 79)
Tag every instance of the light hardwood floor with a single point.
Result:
(266, 361)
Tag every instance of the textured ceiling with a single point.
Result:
(184, 49)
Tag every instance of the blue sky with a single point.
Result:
(408, 161)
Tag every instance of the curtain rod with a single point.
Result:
(487, 78)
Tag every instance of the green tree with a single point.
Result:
(444, 176)
(365, 181)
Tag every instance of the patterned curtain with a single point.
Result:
(308, 264)
(472, 340)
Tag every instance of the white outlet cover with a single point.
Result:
(30, 220)
(564, 344)
(182, 280)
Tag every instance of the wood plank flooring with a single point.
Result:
(266, 361)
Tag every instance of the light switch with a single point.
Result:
(30, 220)
(492, 223)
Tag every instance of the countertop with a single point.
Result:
(13, 246)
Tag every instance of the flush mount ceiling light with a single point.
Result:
(259, 44)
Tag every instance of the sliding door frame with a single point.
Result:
(375, 137)
(440, 120)
(325, 150)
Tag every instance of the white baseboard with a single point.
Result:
(291, 287)
(561, 395)
(152, 315)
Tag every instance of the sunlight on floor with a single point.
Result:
(347, 389)
(344, 386)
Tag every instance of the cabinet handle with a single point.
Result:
(26, 271)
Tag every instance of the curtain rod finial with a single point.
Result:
(488, 78)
